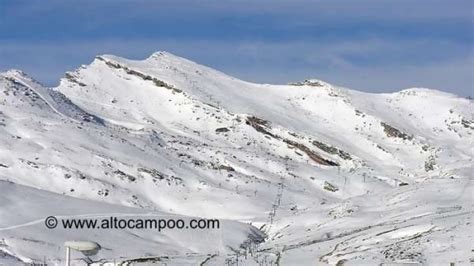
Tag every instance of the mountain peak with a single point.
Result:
(311, 83)
(167, 58)
(14, 73)
(172, 138)
(20, 76)
(154, 57)
(159, 54)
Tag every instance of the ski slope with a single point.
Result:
(324, 174)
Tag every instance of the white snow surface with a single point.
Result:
(301, 174)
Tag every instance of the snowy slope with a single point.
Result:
(23, 233)
(326, 173)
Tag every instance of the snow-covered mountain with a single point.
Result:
(300, 174)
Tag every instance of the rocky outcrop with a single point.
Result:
(263, 127)
(332, 150)
(157, 82)
(394, 133)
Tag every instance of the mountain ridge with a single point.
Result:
(310, 165)
(160, 54)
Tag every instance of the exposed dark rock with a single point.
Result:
(32, 164)
(69, 76)
(130, 71)
(314, 156)
(226, 167)
(430, 163)
(198, 162)
(123, 175)
(258, 121)
(103, 192)
(332, 150)
(260, 125)
(263, 127)
(330, 187)
(359, 113)
(158, 176)
(148, 260)
(394, 133)
(308, 82)
(222, 129)
(153, 172)
(467, 124)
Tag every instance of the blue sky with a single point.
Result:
(370, 45)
